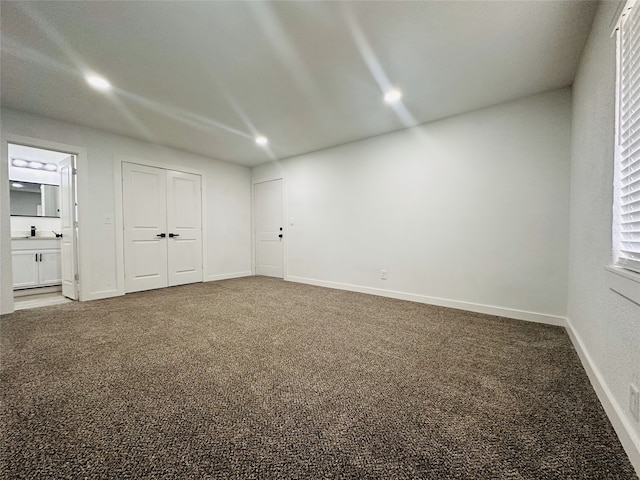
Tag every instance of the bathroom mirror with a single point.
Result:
(34, 199)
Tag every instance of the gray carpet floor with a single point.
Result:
(256, 378)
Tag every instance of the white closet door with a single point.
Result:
(184, 228)
(144, 191)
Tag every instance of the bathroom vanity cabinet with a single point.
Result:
(36, 262)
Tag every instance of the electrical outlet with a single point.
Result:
(634, 401)
(383, 274)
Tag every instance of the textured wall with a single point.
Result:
(607, 324)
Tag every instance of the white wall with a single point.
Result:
(227, 198)
(605, 324)
(471, 211)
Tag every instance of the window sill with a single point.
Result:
(624, 282)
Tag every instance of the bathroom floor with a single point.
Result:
(39, 300)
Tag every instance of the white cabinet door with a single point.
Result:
(269, 228)
(25, 269)
(49, 267)
(184, 228)
(144, 191)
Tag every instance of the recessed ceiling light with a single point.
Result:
(36, 165)
(51, 167)
(17, 185)
(262, 141)
(99, 83)
(392, 96)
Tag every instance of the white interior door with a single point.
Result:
(144, 191)
(269, 228)
(184, 228)
(68, 225)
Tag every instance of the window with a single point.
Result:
(626, 220)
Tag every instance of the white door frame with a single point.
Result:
(119, 201)
(6, 294)
(285, 221)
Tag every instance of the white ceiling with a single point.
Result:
(207, 76)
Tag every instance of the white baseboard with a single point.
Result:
(227, 276)
(35, 291)
(621, 424)
(116, 293)
(442, 302)
(101, 294)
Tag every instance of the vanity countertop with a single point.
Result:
(35, 243)
(37, 237)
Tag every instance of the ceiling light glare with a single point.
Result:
(51, 167)
(17, 185)
(261, 140)
(36, 165)
(18, 162)
(99, 83)
(392, 96)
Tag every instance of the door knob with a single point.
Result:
(280, 236)
(161, 235)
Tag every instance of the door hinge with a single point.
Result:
(74, 171)
(75, 224)
(76, 277)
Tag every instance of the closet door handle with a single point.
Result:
(36, 257)
(40, 257)
(172, 235)
(161, 235)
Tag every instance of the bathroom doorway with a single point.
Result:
(43, 220)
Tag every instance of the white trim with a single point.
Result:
(619, 11)
(227, 276)
(103, 294)
(36, 291)
(82, 166)
(624, 282)
(118, 222)
(620, 421)
(633, 276)
(621, 260)
(159, 164)
(442, 302)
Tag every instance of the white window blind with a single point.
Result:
(627, 179)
